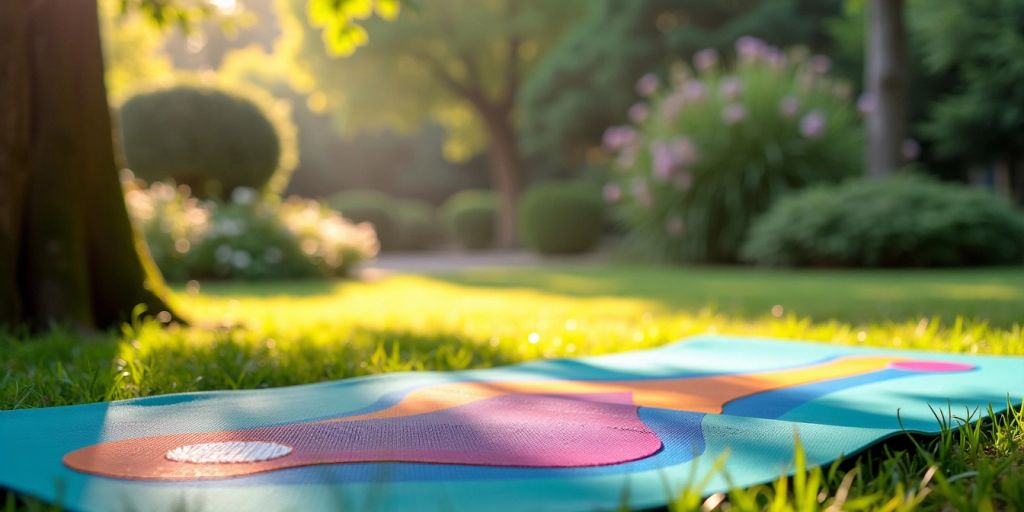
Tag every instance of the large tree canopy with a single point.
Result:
(457, 63)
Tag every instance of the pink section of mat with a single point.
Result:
(932, 366)
(510, 430)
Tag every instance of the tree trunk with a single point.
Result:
(75, 256)
(886, 76)
(14, 150)
(506, 173)
(1015, 168)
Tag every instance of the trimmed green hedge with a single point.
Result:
(418, 226)
(471, 217)
(561, 218)
(401, 224)
(901, 221)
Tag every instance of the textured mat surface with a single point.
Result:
(550, 435)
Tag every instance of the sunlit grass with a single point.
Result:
(277, 334)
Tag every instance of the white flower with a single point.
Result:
(241, 259)
(243, 195)
(223, 253)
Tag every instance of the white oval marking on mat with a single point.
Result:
(234, 452)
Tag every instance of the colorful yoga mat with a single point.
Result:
(569, 434)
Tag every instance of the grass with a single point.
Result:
(276, 334)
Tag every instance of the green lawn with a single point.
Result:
(275, 334)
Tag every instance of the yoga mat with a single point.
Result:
(568, 434)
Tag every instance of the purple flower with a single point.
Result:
(812, 125)
(731, 88)
(820, 64)
(668, 156)
(774, 57)
(788, 107)
(683, 150)
(733, 113)
(694, 91)
(749, 48)
(638, 112)
(662, 161)
(910, 149)
(675, 226)
(647, 85)
(705, 59)
(642, 192)
(671, 105)
(866, 103)
(612, 193)
(618, 137)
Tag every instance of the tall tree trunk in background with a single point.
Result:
(506, 173)
(886, 76)
(63, 221)
(14, 149)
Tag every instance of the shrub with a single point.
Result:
(171, 222)
(561, 218)
(215, 141)
(471, 216)
(250, 242)
(371, 206)
(334, 244)
(901, 221)
(190, 239)
(417, 226)
(712, 148)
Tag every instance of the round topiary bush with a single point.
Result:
(559, 218)
(471, 216)
(212, 140)
(371, 206)
(712, 146)
(901, 221)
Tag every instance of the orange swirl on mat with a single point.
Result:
(695, 394)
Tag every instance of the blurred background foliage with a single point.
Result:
(397, 108)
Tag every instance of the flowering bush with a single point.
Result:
(245, 238)
(249, 241)
(331, 241)
(171, 222)
(714, 145)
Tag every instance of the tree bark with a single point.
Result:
(886, 76)
(14, 150)
(506, 173)
(72, 250)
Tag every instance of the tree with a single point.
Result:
(458, 63)
(886, 85)
(980, 43)
(585, 83)
(67, 251)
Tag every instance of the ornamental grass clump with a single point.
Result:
(713, 145)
